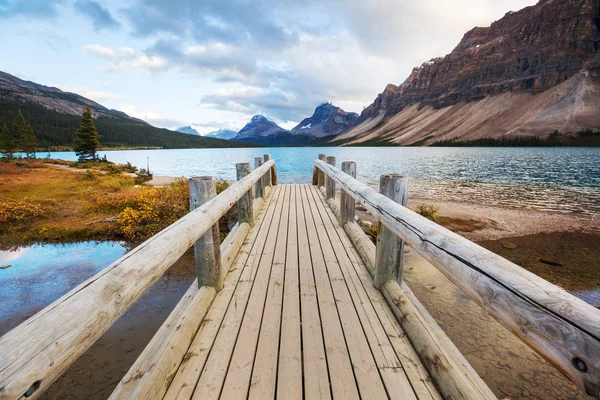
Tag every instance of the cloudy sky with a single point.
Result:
(215, 63)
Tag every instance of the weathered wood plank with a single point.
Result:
(37, 352)
(419, 378)
(267, 178)
(560, 327)
(343, 384)
(151, 374)
(232, 244)
(366, 372)
(289, 375)
(315, 372)
(238, 375)
(239, 278)
(264, 373)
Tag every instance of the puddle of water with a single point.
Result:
(39, 274)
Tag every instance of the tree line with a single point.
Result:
(21, 138)
(56, 130)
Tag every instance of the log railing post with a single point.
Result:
(347, 203)
(274, 175)
(207, 250)
(267, 177)
(259, 187)
(321, 174)
(390, 248)
(245, 204)
(329, 182)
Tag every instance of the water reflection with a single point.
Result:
(35, 276)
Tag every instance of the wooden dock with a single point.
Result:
(298, 303)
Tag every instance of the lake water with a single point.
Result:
(565, 180)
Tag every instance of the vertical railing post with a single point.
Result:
(347, 203)
(321, 174)
(329, 182)
(207, 250)
(267, 177)
(259, 187)
(390, 248)
(245, 203)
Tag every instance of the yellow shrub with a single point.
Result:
(20, 211)
(154, 209)
(429, 211)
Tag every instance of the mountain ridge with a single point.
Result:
(524, 54)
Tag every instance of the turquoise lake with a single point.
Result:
(565, 180)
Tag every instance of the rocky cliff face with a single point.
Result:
(525, 52)
(188, 130)
(15, 89)
(327, 120)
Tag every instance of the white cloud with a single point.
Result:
(97, 96)
(101, 51)
(126, 52)
(150, 63)
(150, 117)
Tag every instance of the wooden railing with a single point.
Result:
(37, 352)
(560, 327)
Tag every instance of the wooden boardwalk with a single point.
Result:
(299, 317)
(297, 302)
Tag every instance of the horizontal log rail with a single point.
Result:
(560, 327)
(37, 352)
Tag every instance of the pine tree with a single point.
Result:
(20, 130)
(86, 138)
(29, 142)
(7, 142)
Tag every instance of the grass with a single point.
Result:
(45, 203)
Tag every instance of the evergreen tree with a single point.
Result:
(29, 142)
(20, 130)
(7, 142)
(86, 138)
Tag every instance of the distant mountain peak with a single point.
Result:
(187, 129)
(327, 120)
(226, 134)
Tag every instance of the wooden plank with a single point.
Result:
(355, 330)
(152, 372)
(358, 274)
(245, 206)
(188, 374)
(342, 380)
(330, 183)
(562, 328)
(264, 373)
(315, 369)
(239, 320)
(347, 203)
(232, 244)
(289, 375)
(38, 351)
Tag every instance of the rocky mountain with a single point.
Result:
(327, 120)
(530, 73)
(262, 131)
(187, 129)
(222, 134)
(54, 99)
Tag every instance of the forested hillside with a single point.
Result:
(54, 129)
